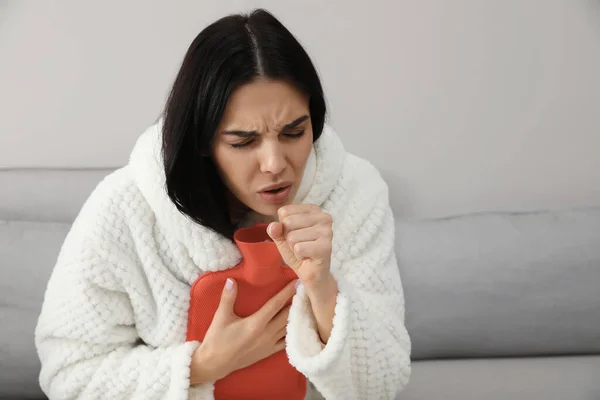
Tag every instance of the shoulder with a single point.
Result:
(117, 194)
(110, 209)
(363, 174)
(360, 191)
(102, 234)
(360, 183)
(361, 212)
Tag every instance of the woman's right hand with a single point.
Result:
(233, 343)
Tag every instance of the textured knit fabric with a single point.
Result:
(113, 322)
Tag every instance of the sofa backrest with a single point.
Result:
(54, 195)
(505, 284)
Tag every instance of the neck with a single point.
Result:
(237, 210)
(260, 218)
(242, 216)
(253, 218)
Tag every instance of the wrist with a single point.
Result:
(322, 289)
(204, 367)
(323, 299)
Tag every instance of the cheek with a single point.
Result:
(228, 164)
(302, 151)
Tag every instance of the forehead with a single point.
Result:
(262, 105)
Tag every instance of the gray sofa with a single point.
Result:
(499, 305)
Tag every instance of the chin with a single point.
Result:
(268, 210)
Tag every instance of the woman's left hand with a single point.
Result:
(303, 236)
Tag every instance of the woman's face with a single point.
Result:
(262, 144)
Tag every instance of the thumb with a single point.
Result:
(228, 296)
(275, 232)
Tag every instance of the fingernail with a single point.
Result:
(297, 284)
(229, 284)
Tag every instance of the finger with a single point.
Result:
(300, 221)
(281, 333)
(275, 231)
(280, 320)
(314, 249)
(292, 209)
(308, 235)
(279, 346)
(276, 303)
(228, 296)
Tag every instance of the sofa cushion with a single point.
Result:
(554, 378)
(28, 253)
(505, 284)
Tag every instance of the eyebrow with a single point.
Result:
(295, 123)
(249, 134)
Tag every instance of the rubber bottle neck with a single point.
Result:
(261, 258)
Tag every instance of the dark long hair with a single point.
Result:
(230, 52)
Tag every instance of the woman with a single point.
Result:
(242, 140)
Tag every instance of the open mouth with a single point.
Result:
(277, 195)
(276, 190)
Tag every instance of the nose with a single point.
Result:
(272, 158)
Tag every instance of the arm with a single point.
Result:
(367, 355)
(323, 299)
(89, 346)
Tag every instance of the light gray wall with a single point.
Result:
(464, 105)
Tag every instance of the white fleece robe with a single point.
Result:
(113, 322)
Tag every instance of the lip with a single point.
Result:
(276, 198)
(275, 186)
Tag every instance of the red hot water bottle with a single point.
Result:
(260, 275)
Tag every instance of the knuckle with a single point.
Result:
(254, 328)
(286, 222)
(299, 248)
(271, 307)
(283, 212)
(326, 232)
(290, 289)
(326, 247)
(292, 239)
(279, 301)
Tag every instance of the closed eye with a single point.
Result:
(295, 135)
(241, 145)
(291, 131)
